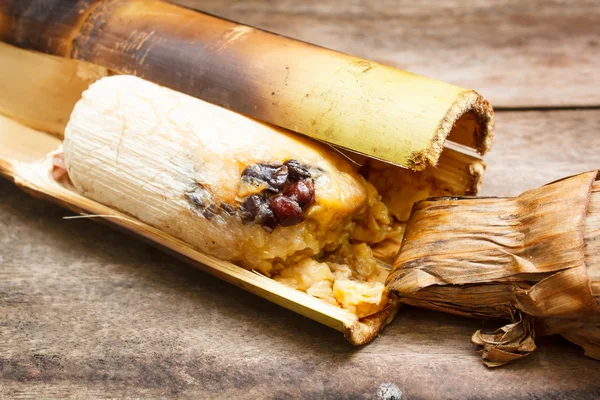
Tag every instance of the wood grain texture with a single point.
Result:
(538, 147)
(516, 53)
(86, 312)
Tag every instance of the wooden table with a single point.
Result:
(88, 312)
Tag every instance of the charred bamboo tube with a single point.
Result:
(532, 259)
(347, 101)
(40, 91)
(43, 89)
(462, 114)
(24, 159)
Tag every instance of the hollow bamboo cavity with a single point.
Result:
(532, 259)
(360, 105)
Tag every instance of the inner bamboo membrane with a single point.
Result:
(349, 267)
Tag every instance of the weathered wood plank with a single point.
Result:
(87, 312)
(538, 147)
(516, 53)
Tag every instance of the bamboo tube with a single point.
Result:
(360, 105)
(42, 89)
(320, 93)
(532, 259)
(24, 159)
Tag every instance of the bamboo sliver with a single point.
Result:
(18, 161)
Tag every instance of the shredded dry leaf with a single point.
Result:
(510, 342)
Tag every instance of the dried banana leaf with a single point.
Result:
(532, 259)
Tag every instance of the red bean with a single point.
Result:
(302, 192)
(288, 211)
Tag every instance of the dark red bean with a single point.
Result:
(255, 209)
(292, 178)
(250, 207)
(278, 178)
(302, 192)
(288, 211)
(252, 171)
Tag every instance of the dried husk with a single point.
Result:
(532, 259)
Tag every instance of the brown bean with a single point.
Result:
(250, 207)
(266, 217)
(256, 209)
(302, 192)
